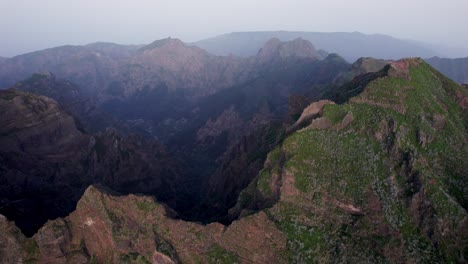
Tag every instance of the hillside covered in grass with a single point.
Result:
(381, 177)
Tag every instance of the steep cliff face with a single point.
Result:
(46, 161)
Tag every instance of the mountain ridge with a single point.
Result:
(378, 178)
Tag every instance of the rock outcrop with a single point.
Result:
(136, 229)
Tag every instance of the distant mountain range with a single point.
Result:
(92, 65)
(349, 45)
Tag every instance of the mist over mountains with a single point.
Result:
(351, 46)
(250, 147)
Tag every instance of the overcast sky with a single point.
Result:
(28, 25)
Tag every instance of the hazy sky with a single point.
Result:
(28, 25)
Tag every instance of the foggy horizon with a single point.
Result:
(30, 26)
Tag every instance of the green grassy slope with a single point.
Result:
(388, 186)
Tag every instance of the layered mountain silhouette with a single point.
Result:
(351, 46)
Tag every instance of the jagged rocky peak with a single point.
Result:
(297, 48)
(406, 63)
(401, 67)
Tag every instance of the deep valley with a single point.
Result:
(166, 153)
